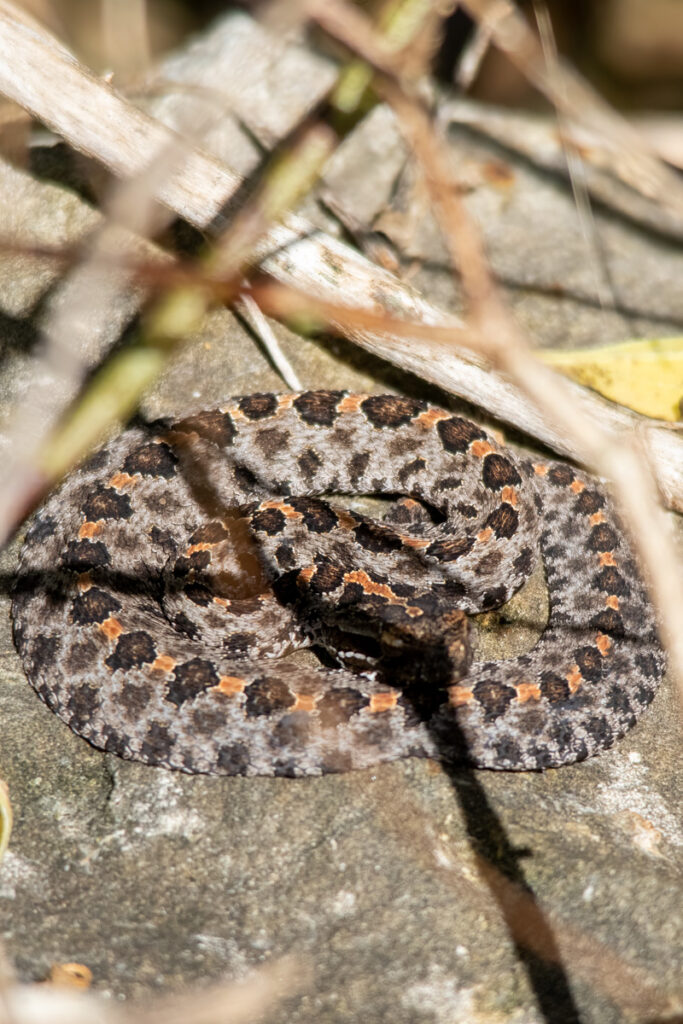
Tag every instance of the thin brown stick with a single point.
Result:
(503, 344)
(96, 121)
(632, 159)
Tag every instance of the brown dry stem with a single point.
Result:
(95, 119)
(631, 158)
(498, 338)
(98, 122)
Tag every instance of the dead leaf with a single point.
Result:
(646, 376)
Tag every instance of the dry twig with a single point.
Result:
(310, 260)
(96, 121)
(499, 339)
(632, 160)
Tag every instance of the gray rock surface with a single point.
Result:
(418, 897)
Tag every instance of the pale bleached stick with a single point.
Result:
(41, 75)
(329, 270)
(96, 121)
(75, 329)
(499, 338)
(253, 316)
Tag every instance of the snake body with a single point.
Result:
(162, 586)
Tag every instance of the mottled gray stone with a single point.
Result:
(400, 886)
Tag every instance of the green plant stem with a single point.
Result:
(116, 389)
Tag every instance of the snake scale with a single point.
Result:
(162, 586)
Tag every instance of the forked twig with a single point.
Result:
(98, 122)
(332, 271)
(501, 341)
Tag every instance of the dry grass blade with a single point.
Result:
(632, 161)
(501, 342)
(576, 170)
(253, 316)
(294, 254)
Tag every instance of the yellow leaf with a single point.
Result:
(644, 375)
(5, 817)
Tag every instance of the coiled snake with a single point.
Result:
(161, 585)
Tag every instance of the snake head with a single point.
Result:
(425, 655)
